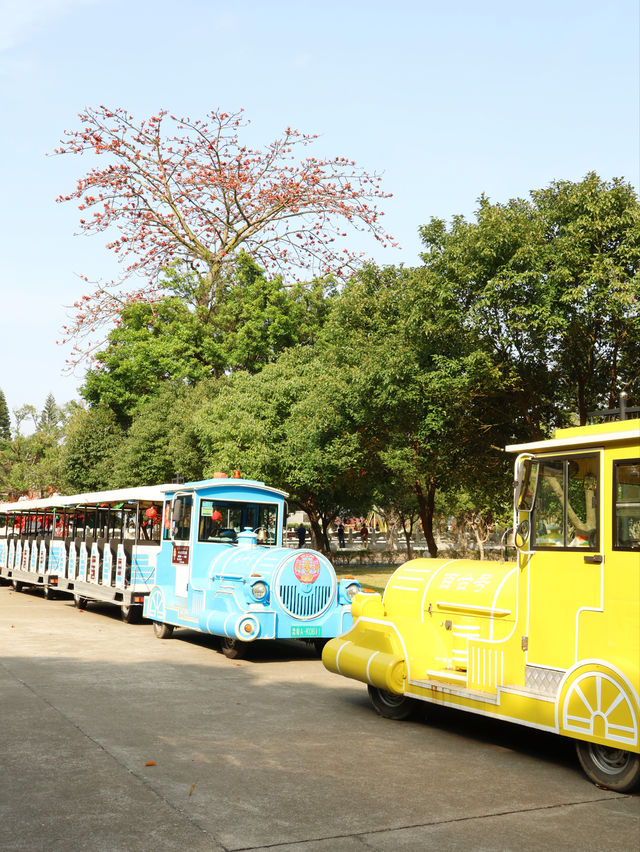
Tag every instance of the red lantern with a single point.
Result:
(237, 474)
(151, 513)
(216, 515)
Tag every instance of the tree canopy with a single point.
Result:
(398, 388)
(255, 319)
(552, 285)
(189, 191)
(5, 419)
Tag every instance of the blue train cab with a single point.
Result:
(222, 569)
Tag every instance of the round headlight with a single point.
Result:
(259, 591)
(352, 591)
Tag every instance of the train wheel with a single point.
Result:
(48, 593)
(319, 644)
(390, 705)
(161, 630)
(131, 614)
(80, 602)
(233, 649)
(613, 768)
(17, 586)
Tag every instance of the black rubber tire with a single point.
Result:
(613, 768)
(319, 644)
(162, 630)
(48, 593)
(390, 705)
(233, 649)
(80, 602)
(131, 614)
(17, 586)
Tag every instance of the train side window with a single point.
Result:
(565, 512)
(626, 507)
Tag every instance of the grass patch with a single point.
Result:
(370, 578)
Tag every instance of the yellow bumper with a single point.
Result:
(370, 652)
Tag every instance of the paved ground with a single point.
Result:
(271, 753)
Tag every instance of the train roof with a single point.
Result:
(143, 493)
(584, 436)
(224, 482)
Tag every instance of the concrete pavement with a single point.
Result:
(114, 740)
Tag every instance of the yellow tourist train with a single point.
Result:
(552, 640)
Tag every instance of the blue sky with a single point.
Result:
(447, 100)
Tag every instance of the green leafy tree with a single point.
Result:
(23, 414)
(552, 287)
(428, 399)
(5, 419)
(51, 416)
(93, 440)
(289, 425)
(31, 464)
(252, 321)
(162, 443)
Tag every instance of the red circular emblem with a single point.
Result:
(307, 568)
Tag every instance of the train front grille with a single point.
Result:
(304, 604)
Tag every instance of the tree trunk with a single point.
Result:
(316, 530)
(479, 541)
(582, 405)
(426, 504)
(407, 538)
(326, 547)
(319, 525)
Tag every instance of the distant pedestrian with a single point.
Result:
(364, 535)
(301, 532)
(340, 534)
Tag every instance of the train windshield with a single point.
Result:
(222, 520)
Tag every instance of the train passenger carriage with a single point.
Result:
(552, 640)
(98, 546)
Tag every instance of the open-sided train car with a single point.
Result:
(552, 640)
(99, 546)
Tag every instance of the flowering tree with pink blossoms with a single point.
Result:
(188, 193)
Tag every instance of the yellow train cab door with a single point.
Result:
(565, 558)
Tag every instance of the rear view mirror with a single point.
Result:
(527, 484)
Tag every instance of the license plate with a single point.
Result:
(305, 632)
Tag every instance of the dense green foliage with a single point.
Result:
(400, 390)
(33, 463)
(552, 286)
(254, 319)
(5, 420)
(93, 441)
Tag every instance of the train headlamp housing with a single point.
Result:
(260, 591)
(349, 588)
